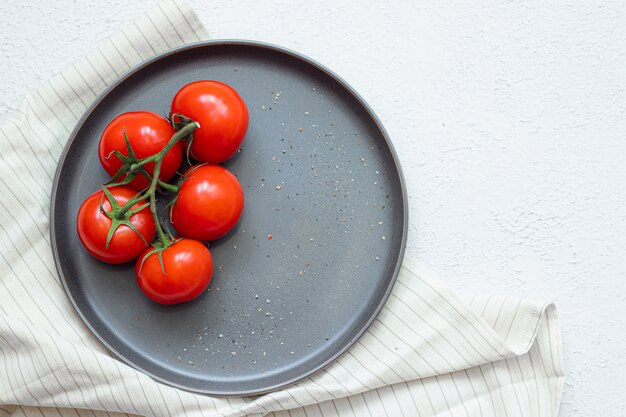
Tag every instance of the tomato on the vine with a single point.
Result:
(185, 273)
(94, 225)
(147, 133)
(209, 202)
(223, 118)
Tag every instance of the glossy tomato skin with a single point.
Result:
(148, 133)
(189, 268)
(223, 118)
(209, 203)
(93, 227)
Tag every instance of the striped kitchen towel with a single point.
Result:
(429, 353)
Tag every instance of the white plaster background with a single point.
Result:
(510, 124)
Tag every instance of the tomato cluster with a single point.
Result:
(143, 152)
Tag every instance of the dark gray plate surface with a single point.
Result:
(331, 195)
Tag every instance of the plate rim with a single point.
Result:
(216, 43)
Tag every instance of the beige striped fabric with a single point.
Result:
(430, 352)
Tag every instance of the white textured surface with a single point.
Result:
(509, 119)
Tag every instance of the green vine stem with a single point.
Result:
(167, 186)
(150, 193)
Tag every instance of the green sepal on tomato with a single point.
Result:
(209, 203)
(177, 274)
(147, 133)
(108, 238)
(221, 113)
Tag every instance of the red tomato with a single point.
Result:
(188, 266)
(209, 203)
(223, 118)
(93, 227)
(148, 133)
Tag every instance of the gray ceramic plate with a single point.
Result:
(319, 174)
